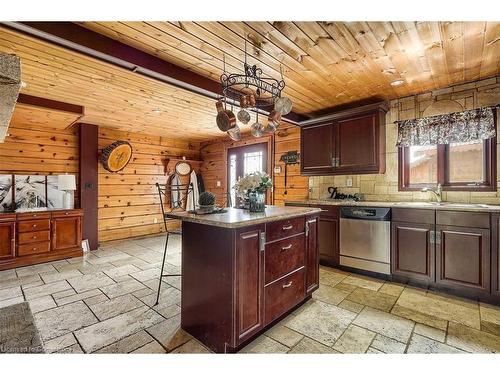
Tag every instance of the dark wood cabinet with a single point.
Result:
(66, 232)
(413, 251)
(37, 237)
(360, 145)
(238, 281)
(463, 257)
(351, 141)
(495, 258)
(328, 235)
(317, 149)
(249, 283)
(7, 238)
(312, 254)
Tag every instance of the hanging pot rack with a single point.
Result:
(254, 91)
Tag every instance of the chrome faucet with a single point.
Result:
(438, 192)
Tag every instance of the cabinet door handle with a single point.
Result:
(262, 241)
(286, 247)
(322, 210)
(288, 285)
(288, 227)
(66, 213)
(34, 237)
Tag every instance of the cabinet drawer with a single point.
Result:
(66, 213)
(7, 217)
(33, 215)
(31, 237)
(463, 219)
(34, 225)
(284, 294)
(413, 215)
(283, 257)
(35, 248)
(284, 228)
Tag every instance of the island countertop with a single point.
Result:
(237, 218)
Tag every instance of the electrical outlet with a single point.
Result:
(219, 184)
(277, 169)
(349, 182)
(155, 220)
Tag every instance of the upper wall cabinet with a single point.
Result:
(347, 142)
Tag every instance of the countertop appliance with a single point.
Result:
(365, 238)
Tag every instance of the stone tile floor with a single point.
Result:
(102, 303)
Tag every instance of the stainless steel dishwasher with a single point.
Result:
(365, 238)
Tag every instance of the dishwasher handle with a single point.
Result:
(366, 213)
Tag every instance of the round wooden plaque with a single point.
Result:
(116, 156)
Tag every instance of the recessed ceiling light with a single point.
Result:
(397, 82)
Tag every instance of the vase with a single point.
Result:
(256, 201)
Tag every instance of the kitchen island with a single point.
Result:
(242, 271)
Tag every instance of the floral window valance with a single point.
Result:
(466, 126)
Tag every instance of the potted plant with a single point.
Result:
(206, 202)
(252, 188)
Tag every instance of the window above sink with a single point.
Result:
(469, 166)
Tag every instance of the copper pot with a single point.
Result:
(226, 119)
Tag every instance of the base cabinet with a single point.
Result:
(413, 251)
(312, 254)
(40, 236)
(66, 232)
(249, 283)
(7, 240)
(495, 258)
(463, 257)
(238, 281)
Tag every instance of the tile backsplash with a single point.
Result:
(384, 187)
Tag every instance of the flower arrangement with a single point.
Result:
(257, 182)
(252, 188)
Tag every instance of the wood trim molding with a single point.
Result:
(351, 112)
(56, 105)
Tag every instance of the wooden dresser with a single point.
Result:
(35, 237)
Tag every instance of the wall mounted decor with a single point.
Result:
(54, 195)
(30, 192)
(6, 192)
(116, 156)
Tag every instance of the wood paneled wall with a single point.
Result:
(213, 167)
(128, 200)
(288, 139)
(38, 150)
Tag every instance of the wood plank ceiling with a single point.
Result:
(326, 64)
(112, 96)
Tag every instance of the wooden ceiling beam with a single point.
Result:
(55, 105)
(77, 38)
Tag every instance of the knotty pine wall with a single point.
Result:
(36, 150)
(213, 166)
(128, 200)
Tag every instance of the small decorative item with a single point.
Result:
(116, 156)
(183, 168)
(67, 183)
(252, 189)
(206, 202)
(85, 246)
